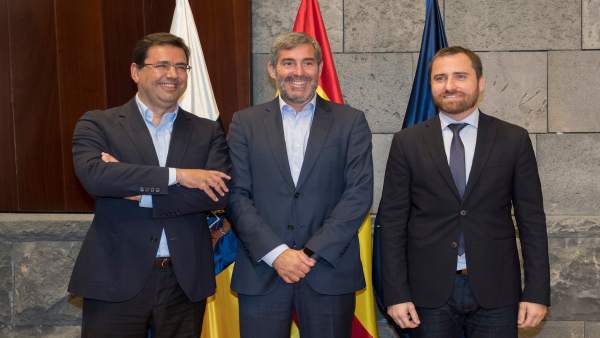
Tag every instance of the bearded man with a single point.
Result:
(302, 183)
(449, 250)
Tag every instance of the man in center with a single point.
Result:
(302, 185)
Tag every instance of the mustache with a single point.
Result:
(292, 78)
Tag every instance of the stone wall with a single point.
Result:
(37, 253)
(542, 64)
(541, 59)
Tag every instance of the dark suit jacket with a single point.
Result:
(421, 215)
(121, 244)
(323, 212)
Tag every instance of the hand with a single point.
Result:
(530, 314)
(108, 158)
(293, 265)
(405, 315)
(209, 181)
(135, 198)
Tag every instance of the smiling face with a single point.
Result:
(160, 89)
(296, 75)
(454, 85)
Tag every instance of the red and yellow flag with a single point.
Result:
(310, 21)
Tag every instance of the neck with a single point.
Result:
(463, 115)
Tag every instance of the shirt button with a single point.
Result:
(463, 213)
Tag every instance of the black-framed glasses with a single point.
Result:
(164, 67)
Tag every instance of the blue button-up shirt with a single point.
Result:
(161, 138)
(296, 130)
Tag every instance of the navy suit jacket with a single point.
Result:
(323, 212)
(421, 215)
(119, 249)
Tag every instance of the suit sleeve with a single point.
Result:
(102, 179)
(531, 221)
(332, 239)
(181, 200)
(392, 218)
(256, 235)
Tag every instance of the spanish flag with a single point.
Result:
(310, 21)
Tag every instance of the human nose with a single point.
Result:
(172, 71)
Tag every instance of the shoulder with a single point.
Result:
(110, 115)
(503, 127)
(197, 121)
(257, 111)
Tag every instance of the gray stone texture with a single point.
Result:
(42, 332)
(575, 278)
(569, 166)
(592, 329)
(263, 88)
(573, 100)
(590, 26)
(6, 283)
(271, 17)
(42, 271)
(381, 149)
(24, 227)
(379, 85)
(514, 24)
(383, 26)
(555, 330)
(573, 226)
(516, 88)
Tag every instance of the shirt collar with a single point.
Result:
(287, 109)
(147, 113)
(472, 119)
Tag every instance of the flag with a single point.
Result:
(198, 97)
(221, 314)
(310, 21)
(420, 106)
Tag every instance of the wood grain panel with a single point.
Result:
(123, 26)
(35, 104)
(158, 15)
(8, 172)
(81, 81)
(224, 30)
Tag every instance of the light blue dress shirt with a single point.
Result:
(296, 130)
(468, 135)
(161, 138)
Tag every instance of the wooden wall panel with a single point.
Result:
(158, 15)
(224, 29)
(81, 81)
(123, 26)
(35, 104)
(8, 173)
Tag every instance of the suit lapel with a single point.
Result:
(180, 138)
(435, 143)
(274, 131)
(132, 121)
(486, 133)
(319, 131)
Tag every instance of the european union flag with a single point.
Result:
(420, 108)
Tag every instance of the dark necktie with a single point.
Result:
(457, 167)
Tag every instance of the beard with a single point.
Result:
(468, 101)
(299, 98)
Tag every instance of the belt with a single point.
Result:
(463, 272)
(162, 262)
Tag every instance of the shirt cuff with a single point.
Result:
(146, 201)
(172, 176)
(270, 257)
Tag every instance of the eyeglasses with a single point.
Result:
(163, 67)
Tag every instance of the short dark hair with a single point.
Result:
(453, 50)
(140, 52)
(291, 40)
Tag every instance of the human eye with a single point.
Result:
(161, 66)
(439, 78)
(182, 66)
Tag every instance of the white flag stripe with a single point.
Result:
(199, 98)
